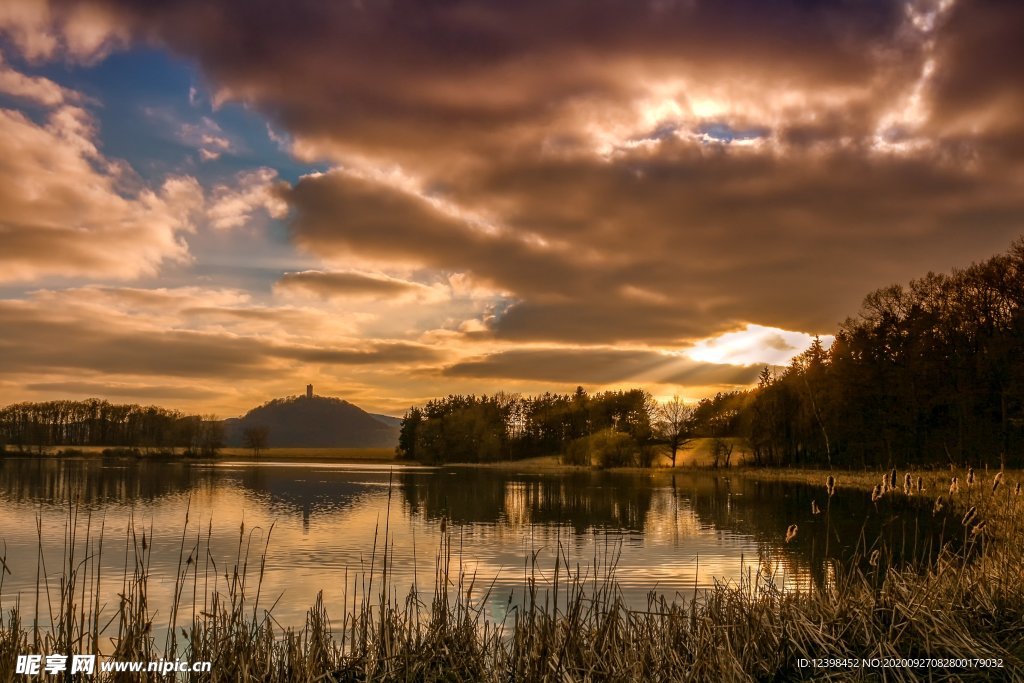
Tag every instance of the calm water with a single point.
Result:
(669, 532)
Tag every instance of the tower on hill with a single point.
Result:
(309, 391)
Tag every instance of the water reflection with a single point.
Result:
(582, 501)
(675, 531)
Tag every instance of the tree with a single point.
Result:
(213, 435)
(721, 452)
(256, 438)
(674, 425)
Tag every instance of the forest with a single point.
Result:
(928, 373)
(488, 428)
(36, 427)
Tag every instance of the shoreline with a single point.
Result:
(935, 481)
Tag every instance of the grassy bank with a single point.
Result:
(572, 624)
(934, 482)
(334, 454)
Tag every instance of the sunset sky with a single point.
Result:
(208, 203)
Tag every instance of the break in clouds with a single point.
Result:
(508, 194)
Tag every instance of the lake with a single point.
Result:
(668, 533)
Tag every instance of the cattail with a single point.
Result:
(978, 529)
(143, 540)
(970, 477)
(908, 483)
(444, 524)
(940, 502)
(815, 510)
(954, 486)
(996, 481)
(885, 484)
(1016, 489)
(874, 558)
(920, 484)
(830, 485)
(791, 532)
(969, 516)
(892, 478)
(876, 494)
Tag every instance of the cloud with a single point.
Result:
(42, 30)
(754, 344)
(34, 340)
(130, 391)
(380, 353)
(202, 134)
(341, 215)
(234, 205)
(34, 89)
(184, 332)
(631, 173)
(67, 210)
(63, 210)
(649, 172)
(331, 285)
(975, 94)
(601, 366)
(427, 74)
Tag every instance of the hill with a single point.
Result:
(389, 420)
(315, 422)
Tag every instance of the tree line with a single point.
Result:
(924, 374)
(927, 373)
(36, 427)
(470, 428)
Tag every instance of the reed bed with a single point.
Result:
(572, 623)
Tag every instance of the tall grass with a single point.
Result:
(572, 623)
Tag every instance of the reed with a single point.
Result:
(573, 625)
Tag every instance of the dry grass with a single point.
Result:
(338, 454)
(575, 626)
(933, 481)
(698, 453)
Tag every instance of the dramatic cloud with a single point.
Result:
(148, 343)
(595, 178)
(976, 90)
(602, 366)
(397, 78)
(134, 391)
(653, 171)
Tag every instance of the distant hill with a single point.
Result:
(390, 421)
(315, 422)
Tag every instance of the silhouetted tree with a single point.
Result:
(674, 425)
(256, 438)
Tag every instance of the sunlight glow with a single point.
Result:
(754, 344)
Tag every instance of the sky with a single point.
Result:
(205, 204)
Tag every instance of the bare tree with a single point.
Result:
(721, 452)
(255, 438)
(674, 425)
